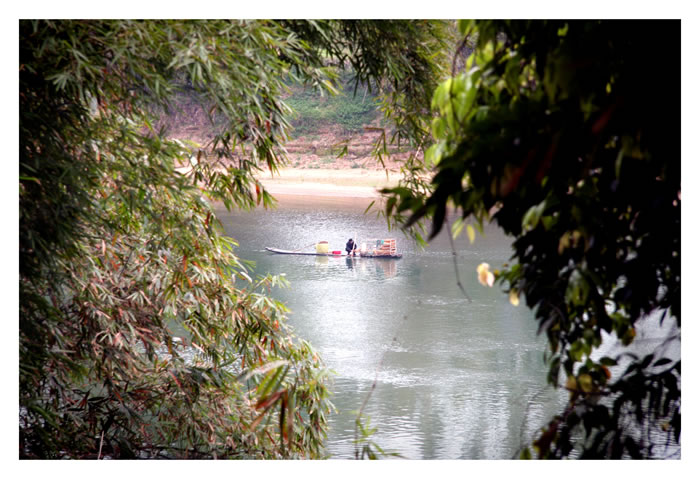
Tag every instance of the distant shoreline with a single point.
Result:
(332, 183)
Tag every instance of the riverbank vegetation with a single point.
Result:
(348, 110)
(142, 334)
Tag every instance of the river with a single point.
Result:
(455, 379)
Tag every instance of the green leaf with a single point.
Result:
(457, 227)
(439, 127)
(585, 381)
(264, 369)
(29, 178)
(532, 217)
(441, 97)
(662, 362)
(434, 154)
(464, 26)
(607, 361)
(470, 233)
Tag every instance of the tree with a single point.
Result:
(567, 135)
(142, 333)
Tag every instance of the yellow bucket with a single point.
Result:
(322, 247)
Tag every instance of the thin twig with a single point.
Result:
(99, 454)
(304, 247)
(362, 408)
(525, 418)
(369, 394)
(364, 403)
(462, 44)
(454, 260)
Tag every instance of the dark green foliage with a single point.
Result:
(567, 135)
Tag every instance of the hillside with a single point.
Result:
(322, 127)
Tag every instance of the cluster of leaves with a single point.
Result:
(365, 447)
(117, 250)
(567, 135)
(141, 332)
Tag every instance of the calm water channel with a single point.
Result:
(454, 379)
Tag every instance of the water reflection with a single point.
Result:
(454, 379)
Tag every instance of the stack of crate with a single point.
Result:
(386, 247)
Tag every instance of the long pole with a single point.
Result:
(304, 247)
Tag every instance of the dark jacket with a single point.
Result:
(350, 245)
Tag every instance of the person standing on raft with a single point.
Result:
(350, 247)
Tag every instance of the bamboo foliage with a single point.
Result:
(142, 333)
(138, 322)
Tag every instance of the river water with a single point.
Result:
(454, 378)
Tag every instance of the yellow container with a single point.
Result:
(322, 247)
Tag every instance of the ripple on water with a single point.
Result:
(453, 374)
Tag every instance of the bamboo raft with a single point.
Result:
(380, 249)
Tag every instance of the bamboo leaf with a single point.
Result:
(471, 234)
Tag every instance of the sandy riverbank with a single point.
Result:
(338, 183)
(351, 186)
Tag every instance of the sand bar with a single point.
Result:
(339, 183)
(345, 188)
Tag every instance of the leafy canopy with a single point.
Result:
(142, 333)
(567, 135)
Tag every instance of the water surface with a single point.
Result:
(455, 379)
